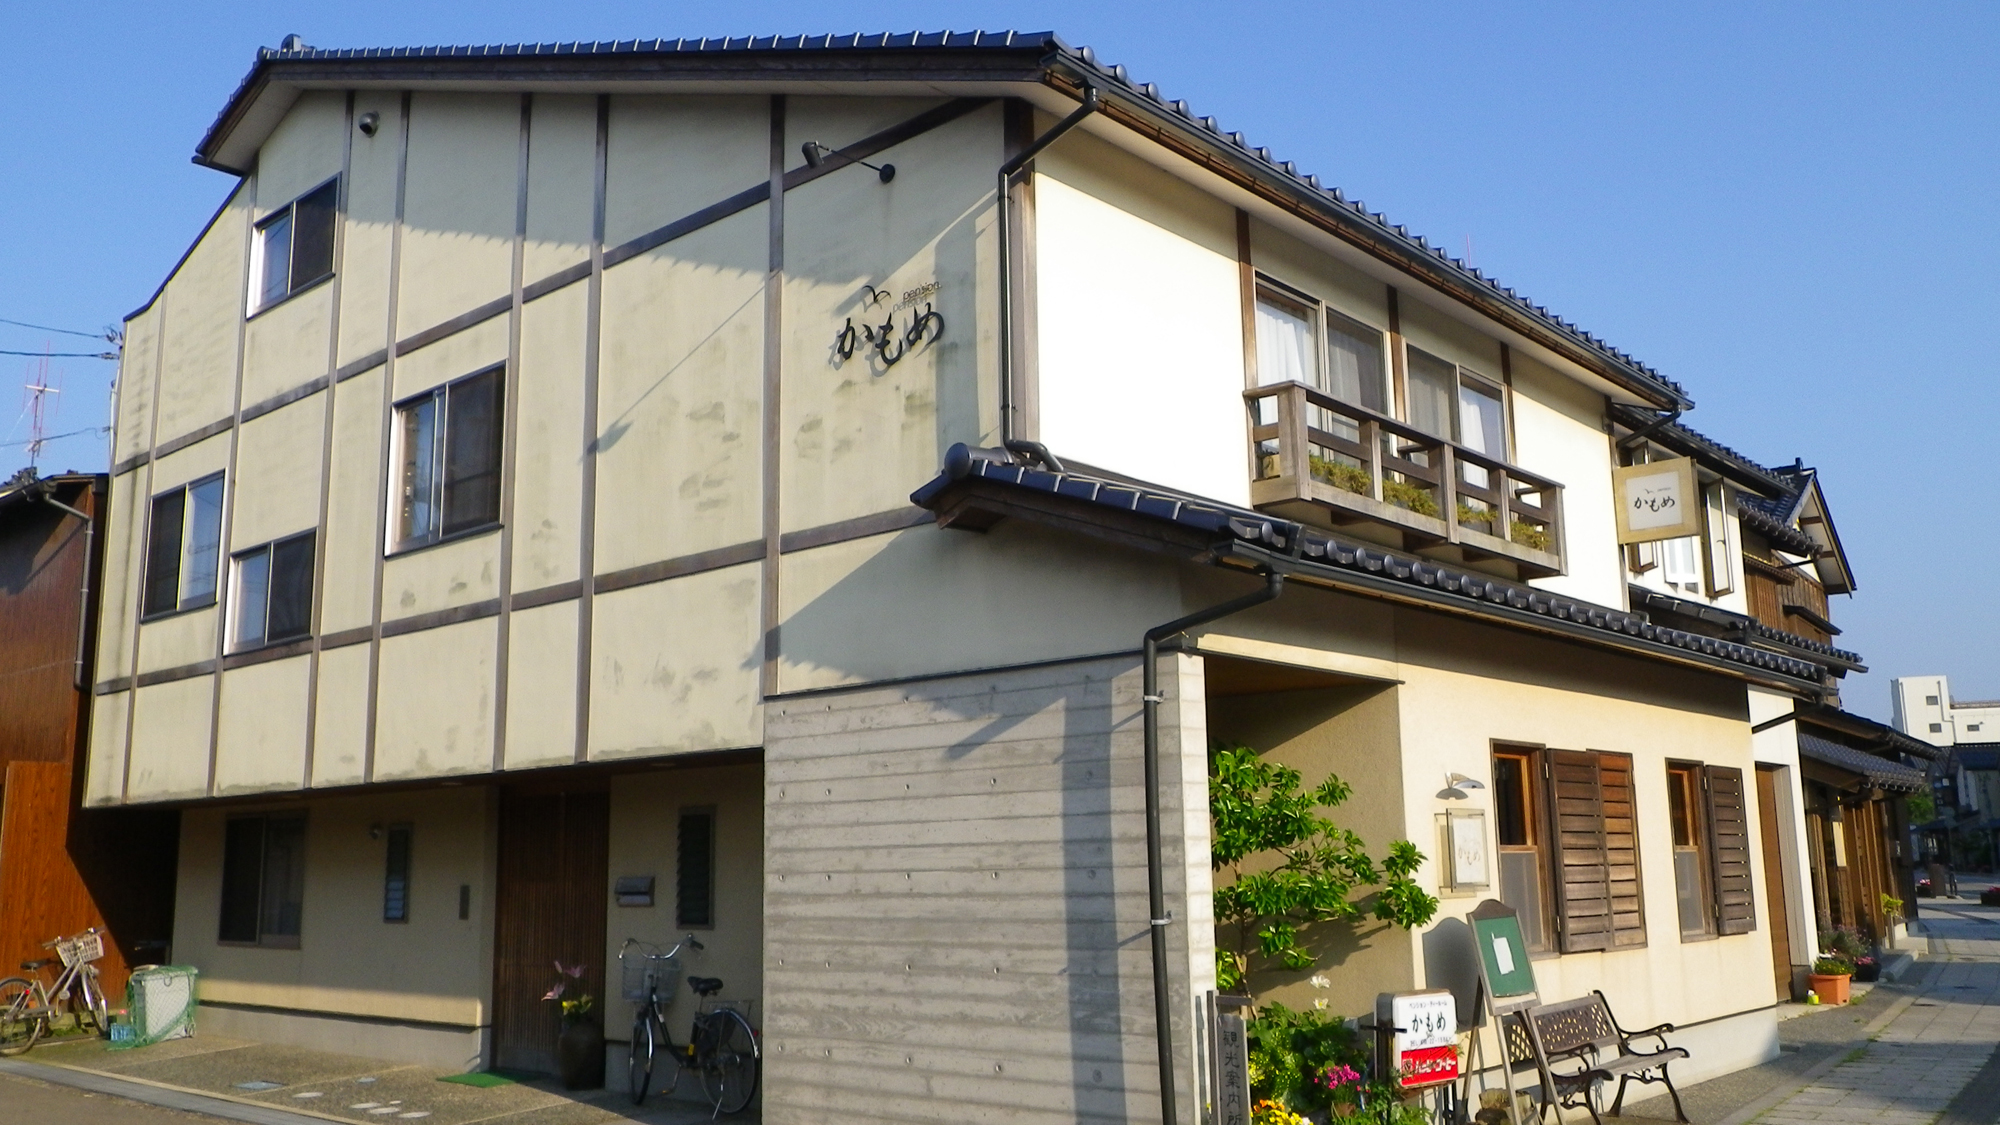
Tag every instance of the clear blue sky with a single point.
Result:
(1789, 208)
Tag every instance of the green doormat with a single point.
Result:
(483, 1078)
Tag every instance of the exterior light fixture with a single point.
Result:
(817, 153)
(368, 123)
(1456, 784)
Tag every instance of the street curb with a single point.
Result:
(1770, 1100)
(159, 1094)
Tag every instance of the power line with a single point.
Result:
(66, 355)
(63, 331)
(53, 437)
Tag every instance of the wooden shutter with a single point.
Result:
(1621, 849)
(1729, 850)
(1582, 881)
(1596, 852)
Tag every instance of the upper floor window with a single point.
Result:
(1456, 403)
(448, 460)
(1300, 340)
(294, 245)
(184, 542)
(272, 596)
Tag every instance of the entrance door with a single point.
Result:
(554, 866)
(1779, 921)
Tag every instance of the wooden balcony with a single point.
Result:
(1321, 460)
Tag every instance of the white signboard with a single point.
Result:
(1466, 829)
(1656, 501)
(1424, 1049)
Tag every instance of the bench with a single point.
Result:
(1578, 1044)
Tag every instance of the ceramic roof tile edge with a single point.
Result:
(1667, 603)
(1331, 201)
(1271, 537)
(1835, 718)
(1879, 772)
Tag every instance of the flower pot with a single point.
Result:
(1867, 972)
(1830, 989)
(580, 1055)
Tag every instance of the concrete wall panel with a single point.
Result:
(170, 740)
(284, 346)
(277, 473)
(541, 686)
(562, 162)
(261, 742)
(203, 308)
(105, 772)
(451, 574)
(670, 156)
(371, 217)
(352, 542)
(459, 206)
(674, 666)
(679, 402)
(138, 368)
(340, 727)
(434, 703)
(303, 151)
(457, 355)
(548, 440)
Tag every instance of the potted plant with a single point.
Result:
(580, 1046)
(1830, 977)
(1990, 897)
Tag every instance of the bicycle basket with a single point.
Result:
(74, 951)
(663, 968)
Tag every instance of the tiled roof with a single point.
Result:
(1048, 49)
(1880, 772)
(1976, 757)
(1449, 585)
(1645, 598)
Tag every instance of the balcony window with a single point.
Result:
(1287, 345)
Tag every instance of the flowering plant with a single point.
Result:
(568, 991)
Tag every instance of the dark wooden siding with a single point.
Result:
(61, 870)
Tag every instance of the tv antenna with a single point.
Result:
(40, 410)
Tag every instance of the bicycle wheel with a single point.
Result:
(93, 1011)
(729, 1073)
(19, 997)
(639, 1066)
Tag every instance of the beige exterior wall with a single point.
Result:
(955, 897)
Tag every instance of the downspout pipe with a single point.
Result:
(1156, 890)
(1005, 179)
(47, 494)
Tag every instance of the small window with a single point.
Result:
(448, 458)
(295, 245)
(272, 599)
(263, 880)
(183, 543)
(694, 883)
(1972, 726)
(1518, 833)
(1684, 801)
(1937, 728)
(1931, 700)
(396, 880)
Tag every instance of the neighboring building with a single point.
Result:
(531, 479)
(1923, 707)
(1965, 784)
(63, 869)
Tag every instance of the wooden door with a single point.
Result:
(1779, 916)
(554, 867)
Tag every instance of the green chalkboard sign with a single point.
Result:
(1503, 955)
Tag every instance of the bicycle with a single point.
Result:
(721, 1045)
(27, 1005)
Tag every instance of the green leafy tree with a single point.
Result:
(1258, 809)
(1923, 809)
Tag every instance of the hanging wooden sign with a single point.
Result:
(1656, 501)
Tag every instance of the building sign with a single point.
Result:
(1465, 849)
(1656, 501)
(1229, 1066)
(1423, 1045)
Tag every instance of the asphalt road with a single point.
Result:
(25, 1099)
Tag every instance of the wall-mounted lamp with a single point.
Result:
(368, 123)
(1456, 784)
(817, 153)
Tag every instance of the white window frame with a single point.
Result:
(255, 299)
(239, 604)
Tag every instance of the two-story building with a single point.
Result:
(748, 472)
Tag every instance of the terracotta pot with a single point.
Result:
(1830, 989)
(580, 1055)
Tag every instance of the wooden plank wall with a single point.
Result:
(955, 897)
(61, 871)
(553, 883)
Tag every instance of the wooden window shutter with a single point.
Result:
(1621, 848)
(1582, 878)
(1729, 850)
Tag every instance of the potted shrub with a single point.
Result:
(1830, 977)
(580, 1046)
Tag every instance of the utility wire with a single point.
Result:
(66, 355)
(53, 437)
(63, 331)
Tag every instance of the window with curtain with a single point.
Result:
(1430, 392)
(1287, 344)
(183, 547)
(1354, 363)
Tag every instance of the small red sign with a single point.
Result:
(1427, 1066)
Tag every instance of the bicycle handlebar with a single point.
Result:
(686, 939)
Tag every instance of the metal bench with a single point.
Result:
(1578, 1044)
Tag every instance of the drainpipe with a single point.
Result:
(1156, 892)
(1006, 174)
(48, 497)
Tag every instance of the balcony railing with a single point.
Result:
(1352, 465)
